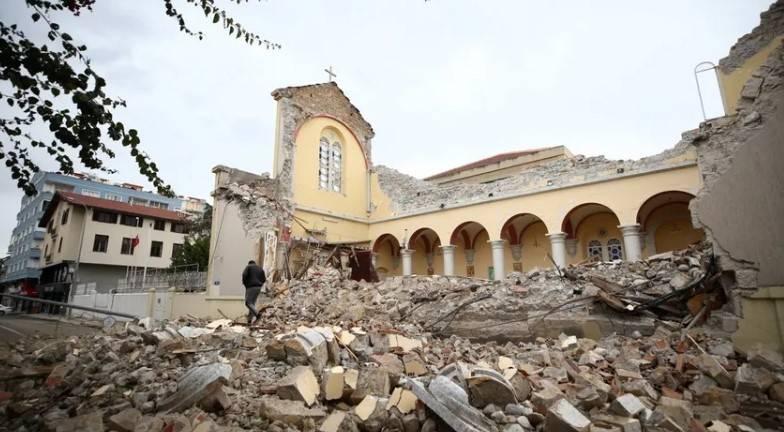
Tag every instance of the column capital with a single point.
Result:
(557, 237)
(495, 244)
(633, 229)
(406, 252)
(448, 247)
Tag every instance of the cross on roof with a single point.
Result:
(330, 73)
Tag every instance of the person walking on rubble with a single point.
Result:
(253, 279)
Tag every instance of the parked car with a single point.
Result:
(5, 309)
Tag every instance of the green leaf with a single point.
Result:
(36, 16)
(216, 18)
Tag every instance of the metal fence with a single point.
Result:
(188, 280)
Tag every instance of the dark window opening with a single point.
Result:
(64, 219)
(105, 216)
(127, 246)
(179, 228)
(60, 246)
(101, 243)
(131, 220)
(160, 225)
(176, 248)
(156, 250)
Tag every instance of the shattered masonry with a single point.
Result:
(409, 194)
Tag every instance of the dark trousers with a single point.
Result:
(251, 294)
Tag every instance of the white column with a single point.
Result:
(631, 242)
(406, 254)
(498, 259)
(449, 259)
(374, 259)
(558, 248)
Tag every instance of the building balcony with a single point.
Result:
(39, 235)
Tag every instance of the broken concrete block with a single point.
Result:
(389, 362)
(627, 405)
(559, 375)
(718, 426)
(625, 424)
(413, 364)
(410, 423)
(487, 386)
(307, 348)
(546, 397)
(276, 350)
(640, 388)
(395, 342)
(711, 367)
(371, 381)
(346, 338)
(750, 380)
(505, 363)
(338, 421)
(366, 408)
(766, 359)
(299, 384)
(450, 402)
(351, 377)
(751, 89)
(567, 342)
(361, 339)
(104, 389)
(195, 385)
(521, 386)
(678, 410)
(563, 417)
(404, 400)
(216, 402)
(125, 420)
(288, 411)
(333, 383)
(92, 422)
(719, 396)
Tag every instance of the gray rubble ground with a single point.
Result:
(335, 355)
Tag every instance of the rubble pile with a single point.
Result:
(333, 355)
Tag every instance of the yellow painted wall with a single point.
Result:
(339, 230)
(590, 229)
(624, 196)
(352, 200)
(671, 227)
(536, 246)
(763, 320)
(732, 83)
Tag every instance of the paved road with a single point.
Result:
(15, 327)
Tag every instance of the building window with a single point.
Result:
(60, 246)
(137, 201)
(595, 250)
(614, 249)
(105, 216)
(176, 248)
(156, 250)
(179, 228)
(330, 163)
(64, 218)
(160, 225)
(44, 204)
(114, 197)
(127, 246)
(160, 205)
(50, 226)
(91, 193)
(101, 243)
(135, 221)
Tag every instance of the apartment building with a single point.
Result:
(25, 246)
(94, 242)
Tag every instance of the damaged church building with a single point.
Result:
(512, 213)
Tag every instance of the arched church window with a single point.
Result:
(595, 250)
(614, 249)
(330, 162)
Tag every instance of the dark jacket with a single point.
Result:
(253, 276)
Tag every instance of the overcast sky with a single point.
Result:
(442, 82)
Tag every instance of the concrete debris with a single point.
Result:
(392, 368)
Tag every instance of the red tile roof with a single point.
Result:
(105, 204)
(487, 161)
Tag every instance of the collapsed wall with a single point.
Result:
(409, 194)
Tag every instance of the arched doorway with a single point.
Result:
(426, 259)
(525, 235)
(665, 223)
(386, 250)
(472, 251)
(592, 234)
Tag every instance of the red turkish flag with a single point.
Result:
(135, 242)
